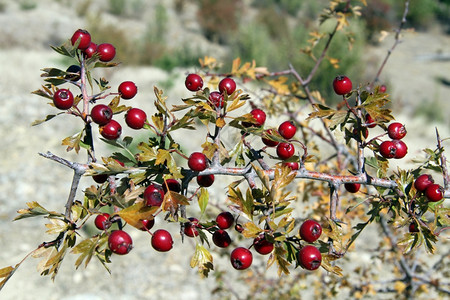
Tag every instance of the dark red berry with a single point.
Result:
(190, 228)
(342, 85)
(147, 224)
(162, 240)
(310, 231)
(153, 195)
(120, 242)
(422, 182)
(173, 185)
(309, 257)
(227, 85)
(135, 118)
(370, 122)
(396, 131)
(352, 187)
(413, 227)
(262, 246)
(63, 99)
(193, 82)
(241, 258)
(127, 90)
(205, 180)
(221, 238)
(197, 161)
(106, 52)
(285, 150)
(83, 36)
(101, 114)
(91, 50)
(434, 192)
(73, 73)
(111, 130)
(287, 129)
(100, 178)
(216, 99)
(382, 89)
(293, 165)
(401, 149)
(388, 149)
(267, 141)
(102, 221)
(224, 220)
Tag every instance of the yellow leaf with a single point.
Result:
(162, 156)
(399, 286)
(56, 226)
(203, 259)
(137, 212)
(251, 230)
(220, 122)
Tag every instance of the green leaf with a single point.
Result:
(203, 199)
(35, 209)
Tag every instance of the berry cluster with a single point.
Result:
(394, 148)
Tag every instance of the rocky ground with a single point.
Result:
(24, 176)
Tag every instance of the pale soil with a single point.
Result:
(144, 273)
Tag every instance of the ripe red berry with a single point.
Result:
(193, 82)
(205, 180)
(120, 242)
(262, 246)
(310, 231)
(111, 130)
(101, 114)
(216, 99)
(63, 99)
(91, 50)
(287, 129)
(241, 258)
(309, 257)
(162, 240)
(388, 149)
(285, 150)
(190, 228)
(102, 221)
(413, 227)
(259, 116)
(135, 118)
(268, 142)
(197, 161)
(127, 90)
(147, 224)
(173, 185)
(434, 192)
(396, 131)
(422, 182)
(225, 220)
(400, 149)
(100, 178)
(106, 52)
(227, 85)
(370, 122)
(342, 85)
(352, 187)
(382, 89)
(293, 165)
(83, 36)
(153, 195)
(221, 238)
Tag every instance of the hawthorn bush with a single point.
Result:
(291, 201)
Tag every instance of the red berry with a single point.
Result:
(83, 36)
(285, 150)
(127, 90)
(111, 130)
(225, 220)
(396, 131)
(370, 122)
(342, 85)
(241, 258)
(101, 114)
(268, 142)
(102, 221)
(89, 51)
(162, 240)
(227, 85)
(147, 224)
(287, 129)
(216, 99)
(422, 182)
(382, 89)
(310, 231)
(106, 52)
(193, 82)
(401, 149)
(135, 118)
(293, 165)
(413, 227)
(388, 149)
(173, 185)
(309, 257)
(261, 245)
(221, 238)
(197, 161)
(205, 180)
(259, 116)
(352, 187)
(434, 192)
(153, 195)
(190, 228)
(100, 178)
(63, 99)
(120, 242)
